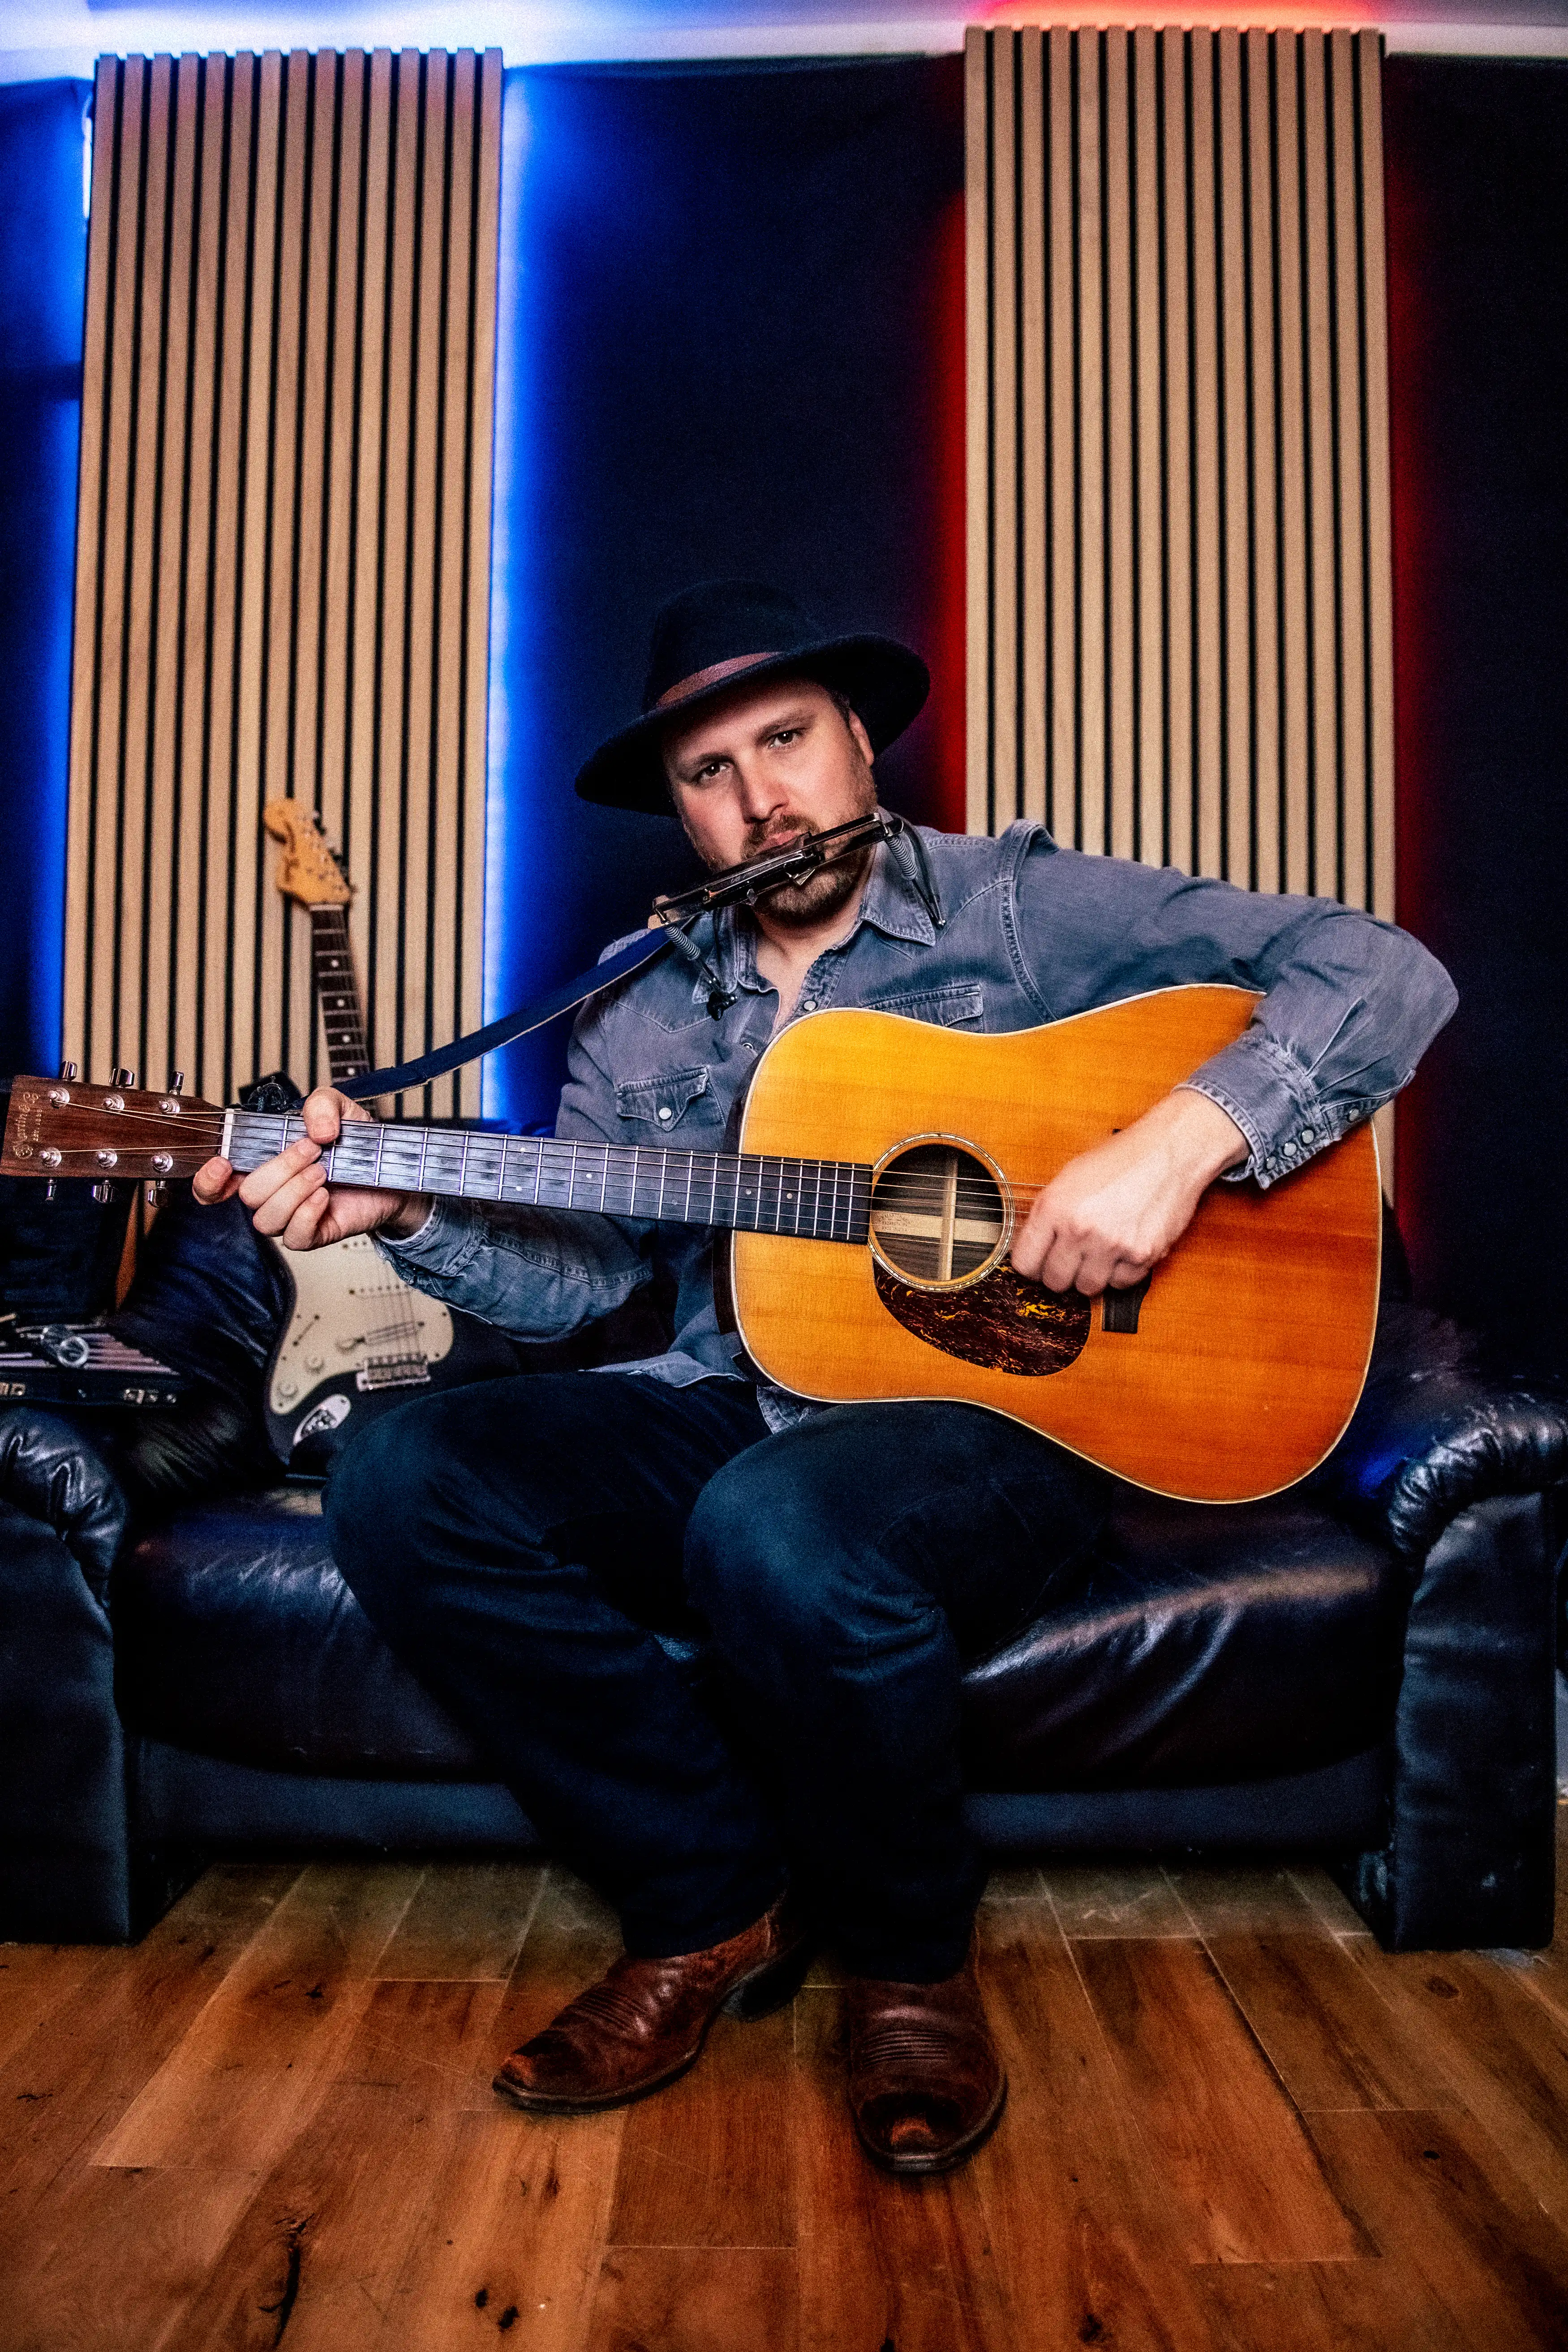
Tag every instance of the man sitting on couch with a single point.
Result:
(541, 1551)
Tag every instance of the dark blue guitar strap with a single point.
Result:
(402, 1076)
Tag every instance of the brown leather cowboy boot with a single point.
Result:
(926, 2085)
(646, 2022)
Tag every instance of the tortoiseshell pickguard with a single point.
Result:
(1004, 1322)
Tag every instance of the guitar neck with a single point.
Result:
(342, 1016)
(815, 1200)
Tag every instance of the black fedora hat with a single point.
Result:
(723, 633)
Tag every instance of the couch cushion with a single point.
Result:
(235, 1635)
(1197, 1646)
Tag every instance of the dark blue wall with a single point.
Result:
(731, 343)
(1477, 240)
(43, 265)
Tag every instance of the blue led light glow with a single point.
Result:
(43, 267)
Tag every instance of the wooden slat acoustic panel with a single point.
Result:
(1179, 593)
(282, 551)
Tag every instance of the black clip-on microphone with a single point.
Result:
(795, 862)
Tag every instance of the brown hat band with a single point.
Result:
(700, 680)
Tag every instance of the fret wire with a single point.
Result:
(636, 1174)
(463, 1169)
(571, 1179)
(663, 1178)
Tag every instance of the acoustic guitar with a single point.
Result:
(357, 1336)
(883, 1166)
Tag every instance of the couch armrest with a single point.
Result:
(1458, 1465)
(1438, 1430)
(51, 1472)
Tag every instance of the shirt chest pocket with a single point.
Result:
(961, 1004)
(680, 1102)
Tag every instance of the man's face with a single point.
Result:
(763, 767)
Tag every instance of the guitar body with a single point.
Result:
(1251, 1341)
(359, 1340)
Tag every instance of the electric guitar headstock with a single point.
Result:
(59, 1127)
(308, 869)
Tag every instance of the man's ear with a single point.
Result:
(862, 740)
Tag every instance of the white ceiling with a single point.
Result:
(41, 38)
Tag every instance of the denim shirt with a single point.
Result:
(1030, 933)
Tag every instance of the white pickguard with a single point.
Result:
(353, 1313)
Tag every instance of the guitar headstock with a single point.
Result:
(59, 1127)
(307, 870)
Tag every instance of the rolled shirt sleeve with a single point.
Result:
(1350, 1004)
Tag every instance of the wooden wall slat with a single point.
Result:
(1379, 510)
(1091, 777)
(1263, 554)
(1188, 352)
(465, 1083)
(1291, 386)
(161, 918)
(1061, 589)
(1237, 853)
(1032, 420)
(1149, 525)
(1121, 450)
(1181, 794)
(283, 551)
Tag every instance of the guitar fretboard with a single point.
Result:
(817, 1200)
(342, 1019)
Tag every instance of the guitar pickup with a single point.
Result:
(1118, 1310)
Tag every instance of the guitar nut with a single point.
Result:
(162, 1162)
(108, 1158)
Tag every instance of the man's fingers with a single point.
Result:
(273, 1214)
(214, 1181)
(262, 1182)
(300, 1233)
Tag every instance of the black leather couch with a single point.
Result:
(1363, 1667)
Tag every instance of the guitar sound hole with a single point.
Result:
(937, 1215)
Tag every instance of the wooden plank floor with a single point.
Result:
(1235, 2126)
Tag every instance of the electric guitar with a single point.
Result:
(356, 1333)
(883, 1166)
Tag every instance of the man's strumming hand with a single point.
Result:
(1112, 1213)
(290, 1198)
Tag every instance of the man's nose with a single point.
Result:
(761, 794)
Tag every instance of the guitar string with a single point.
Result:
(977, 1191)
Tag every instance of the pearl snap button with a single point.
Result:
(1307, 1134)
(665, 1111)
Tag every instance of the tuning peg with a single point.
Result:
(155, 1191)
(49, 1187)
(176, 1083)
(67, 1072)
(103, 1192)
(124, 1077)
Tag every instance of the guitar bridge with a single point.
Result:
(392, 1372)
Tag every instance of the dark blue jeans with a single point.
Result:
(524, 1544)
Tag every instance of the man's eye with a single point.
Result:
(786, 734)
